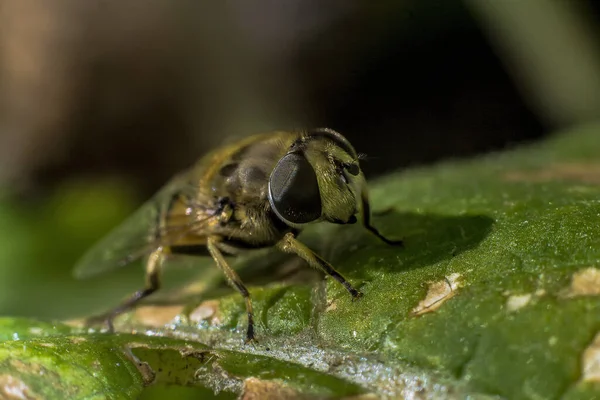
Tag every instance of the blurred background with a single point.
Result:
(102, 101)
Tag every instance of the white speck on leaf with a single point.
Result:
(515, 302)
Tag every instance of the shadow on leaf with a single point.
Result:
(428, 239)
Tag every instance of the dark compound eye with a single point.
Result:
(294, 191)
(352, 169)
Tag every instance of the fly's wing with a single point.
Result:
(139, 234)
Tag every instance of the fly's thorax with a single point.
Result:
(247, 181)
(244, 175)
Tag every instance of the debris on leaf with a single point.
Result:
(332, 306)
(215, 377)
(157, 316)
(585, 282)
(12, 388)
(590, 364)
(438, 293)
(206, 311)
(255, 389)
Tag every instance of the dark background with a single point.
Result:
(140, 89)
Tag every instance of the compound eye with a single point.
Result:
(294, 191)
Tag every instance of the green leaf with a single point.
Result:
(495, 293)
(45, 365)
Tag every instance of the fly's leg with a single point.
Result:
(153, 267)
(289, 244)
(235, 282)
(366, 220)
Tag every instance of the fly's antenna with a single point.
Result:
(365, 157)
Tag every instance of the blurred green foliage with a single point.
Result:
(40, 242)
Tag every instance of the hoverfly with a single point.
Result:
(258, 192)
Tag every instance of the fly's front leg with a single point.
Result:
(234, 281)
(153, 268)
(366, 220)
(289, 244)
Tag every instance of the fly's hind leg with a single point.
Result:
(289, 244)
(153, 267)
(235, 282)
